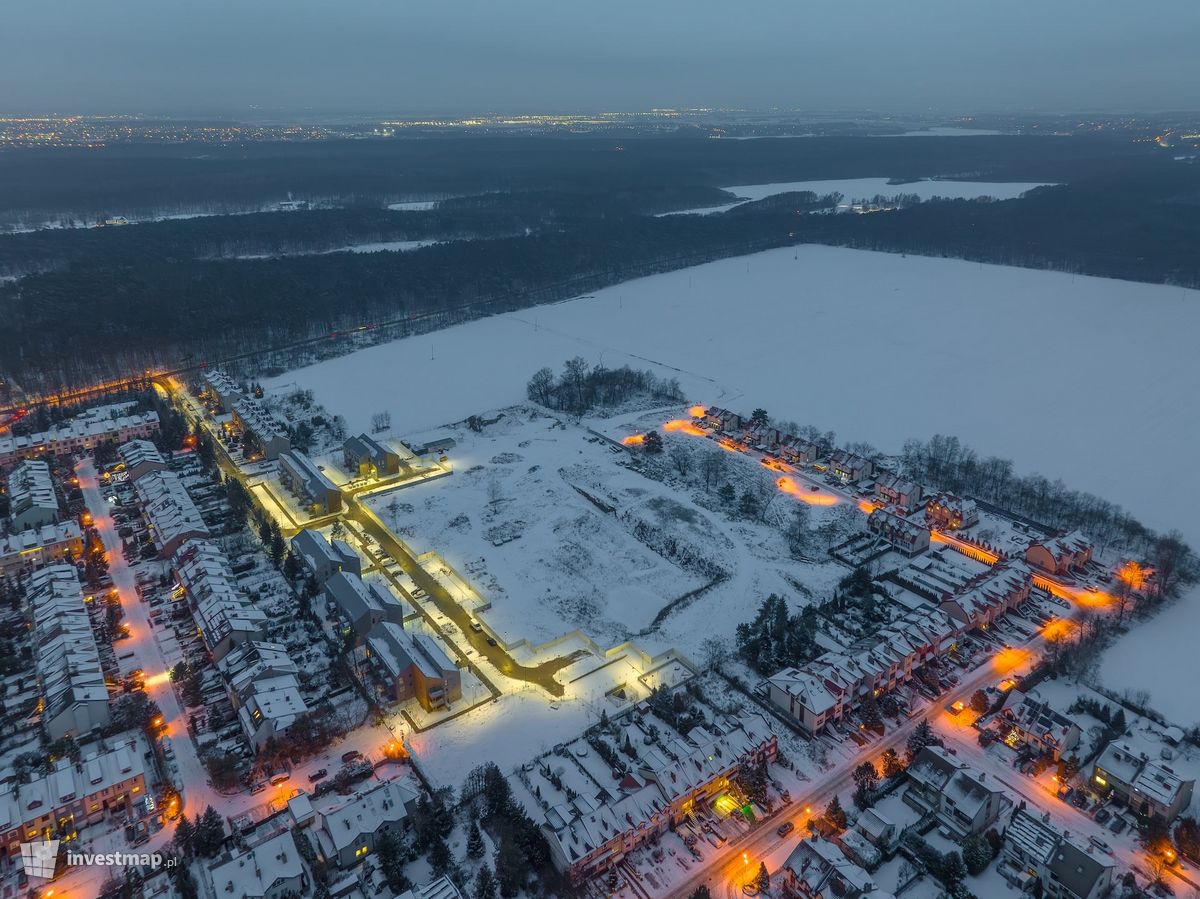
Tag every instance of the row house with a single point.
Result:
(221, 388)
(947, 512)
(1060, 555)
(901, 533)
(896, 491)
(262, 683)
(140, 457)
(264, 428)
(1151, 789)
(1036, 853)
(170, 514)
(850, 468)
(832, 686)
(224, 615)
(798, 451)
(986, 597)
(106, 781)
(32, 502)
(1028, 722)
(81, 435)
(962, 799)
(764, 438)
(594, 832)
(74, 695)
(36, 547)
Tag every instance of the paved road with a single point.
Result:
(541, 675)
(149, 655)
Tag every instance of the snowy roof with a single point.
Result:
(84, 429)
(253, 873)
(139, 452)
(39, 538)
(818, 863)
(397, 650)
(1038, 717)
(258, 419)
(304, 469)
(1035, 838)
(168, 507)
(29, 486)
(385, 804)
(64, 645)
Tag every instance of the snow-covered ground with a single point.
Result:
(1158, 657)
(856, 189)
(1076, 377)
(514, 521)
(401, 246)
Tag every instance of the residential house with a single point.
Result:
(264, 429)
(362, 604)
(987, 596)
(222, 388)
(896, 491)
(947, 512)
(325, 558)
(66, 656)
(348, 834)
(903, 534)
(1060, 555)
(817, 869)
(413, 665)
(798, 451)
(1149, 787)
(832, 685)
(170, 514)
(964, 800)
(1035, 852)
(32, 502)
(367, 457)
(592, 833)
(302, 477)
(224, 615)
(1027, 721)
(873, 837)
(273, 869)
(140, 457)
(850, 468)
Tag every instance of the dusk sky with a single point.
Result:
(396, 57)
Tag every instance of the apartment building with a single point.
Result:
(324, 558)
(413, 665)
(312, 487)
(1035, 852)
(264, 429)
(140, 457)
(36, 547)
(80, 435)
(106, 781)
(170, 514)
(965, 801)
(223, 613)
(365, 456)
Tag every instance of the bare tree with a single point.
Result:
(681, 459)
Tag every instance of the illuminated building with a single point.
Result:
(40, 546)
(301, 476)
(347, 835)
(902, 534)
(325, 558)
(140, 457)
(1150, 788)
(962, 799)
(1035, 723)
(1034, 851)
(850, 468)
(271, 869)
(32, 502)
(1060, 554)
(81, 434)
(893, 490)
(948, 512)
(367, 457)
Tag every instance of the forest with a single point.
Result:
(82, 304)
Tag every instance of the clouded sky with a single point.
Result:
(410, 56)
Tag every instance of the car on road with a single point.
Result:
(491, 641)
(1100, 844)
(476, 626)
(785, 828)
(318, 774)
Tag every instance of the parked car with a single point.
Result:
(1118, 824)
(352, 756)
(318, 774)
(785, 828)
(1100, 844)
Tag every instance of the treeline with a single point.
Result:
(144, 180)
(583, 387)
(83, 323)
(1139, 225)
(949, 464)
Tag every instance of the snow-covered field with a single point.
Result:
(1079, 378)
(392, 246)
(513, 521)
(856, 189)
